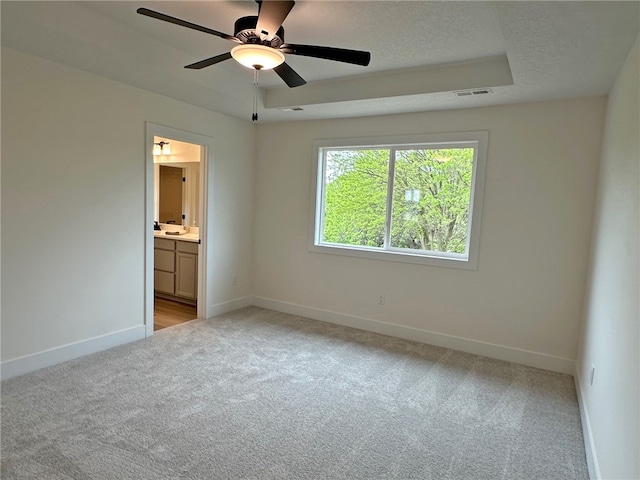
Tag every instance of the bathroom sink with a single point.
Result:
(168, 228)
(167, 231)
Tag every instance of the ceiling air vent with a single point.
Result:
(472, 93)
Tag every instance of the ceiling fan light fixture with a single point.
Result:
(258, 57)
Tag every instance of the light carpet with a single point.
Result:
(257, 394)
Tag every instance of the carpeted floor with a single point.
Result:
(257, 394)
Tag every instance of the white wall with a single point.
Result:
(610, 335)
(527, 292)
(73, 193)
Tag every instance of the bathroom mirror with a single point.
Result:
(171, 193)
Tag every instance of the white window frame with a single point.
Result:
(477, 139)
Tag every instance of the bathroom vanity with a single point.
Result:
(175, 270)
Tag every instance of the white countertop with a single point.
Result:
(187, 237)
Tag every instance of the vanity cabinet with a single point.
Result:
(175, 270)
(187, 269)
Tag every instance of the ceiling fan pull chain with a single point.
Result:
(256, 74)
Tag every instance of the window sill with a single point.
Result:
(459, 262)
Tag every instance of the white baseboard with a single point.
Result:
(589, 444)
(231, 305)
(500, 352)
(47, 358)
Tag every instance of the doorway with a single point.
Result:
(176, 174)
(175, 230)
(169, 313)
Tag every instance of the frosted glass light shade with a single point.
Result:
(257, 56)
(161, 148)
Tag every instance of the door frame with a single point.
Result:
(206, 160)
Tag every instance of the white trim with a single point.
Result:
(149, 206)
(587, 433)
(469, 261)
(500, 352)
(436, 260)
(230, 306)
(206, 158)
(47, 358)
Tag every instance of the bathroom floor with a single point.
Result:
(167, 313)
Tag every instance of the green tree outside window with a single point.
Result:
(431, 192)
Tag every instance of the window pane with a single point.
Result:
(432, 191)
(355, 197)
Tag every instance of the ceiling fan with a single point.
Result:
(261, 43)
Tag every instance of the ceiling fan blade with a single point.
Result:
(271, 15)
(356, 57)
(209, 61)
(289, 75)
(184, 23)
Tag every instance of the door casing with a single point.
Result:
(206, 160)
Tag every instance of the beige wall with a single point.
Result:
(610, 337)
(527, 292)
(73, 211)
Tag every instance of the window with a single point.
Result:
(412, 199)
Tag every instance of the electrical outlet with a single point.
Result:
(381, 299)
(591, 375)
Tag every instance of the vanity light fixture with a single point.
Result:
(161, 148)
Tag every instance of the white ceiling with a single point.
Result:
(421, 51)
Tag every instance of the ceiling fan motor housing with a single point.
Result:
(245, 30)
